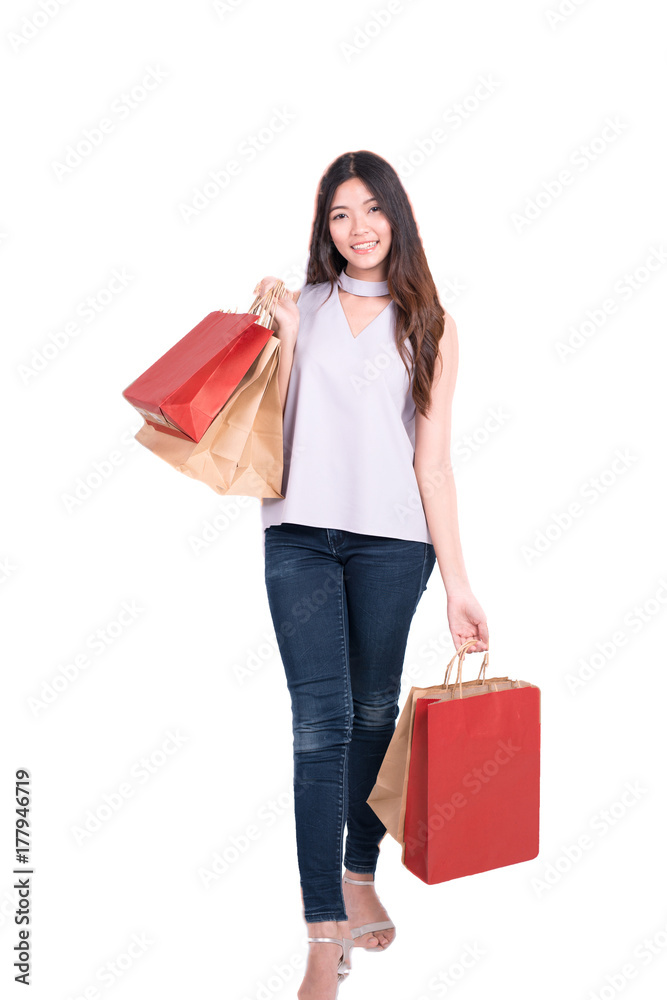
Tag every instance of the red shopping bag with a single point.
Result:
(185, 389)
(473, 783)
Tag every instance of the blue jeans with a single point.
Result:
(342, 604)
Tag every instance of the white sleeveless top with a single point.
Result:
(349, 424)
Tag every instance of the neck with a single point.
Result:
(378, 273)
(362, 286)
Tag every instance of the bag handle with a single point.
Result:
(461, 653)
(264, 306)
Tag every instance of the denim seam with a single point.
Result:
(341, 797)
(421, 580)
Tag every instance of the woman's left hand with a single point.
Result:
(467, 621)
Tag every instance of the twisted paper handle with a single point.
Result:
(461, 653)
(264, 306)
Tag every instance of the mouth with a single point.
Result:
(366, 247)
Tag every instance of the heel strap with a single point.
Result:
(328, 940)
(358, 881)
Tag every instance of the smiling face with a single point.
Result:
(360, 231)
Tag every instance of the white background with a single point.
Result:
(592, 593)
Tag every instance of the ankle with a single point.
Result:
(359, 876)
(323, 928)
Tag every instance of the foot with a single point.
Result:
(363, 907)
(321, 979)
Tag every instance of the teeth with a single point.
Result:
(362, 246)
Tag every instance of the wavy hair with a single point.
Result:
(420, 317)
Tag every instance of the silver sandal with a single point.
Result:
(381, 925)
(344, 968)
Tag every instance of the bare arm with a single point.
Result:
(435, 478)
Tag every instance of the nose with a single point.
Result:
(359, 227)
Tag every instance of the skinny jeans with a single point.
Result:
(342, 604)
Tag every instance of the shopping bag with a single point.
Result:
(187, 387)
(241, 453)
(459, 785)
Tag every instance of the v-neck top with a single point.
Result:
(349, 424)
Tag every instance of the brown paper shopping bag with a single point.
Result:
(389, 795)
(241, 453)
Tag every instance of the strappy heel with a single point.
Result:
(381, 925)
(344, 968)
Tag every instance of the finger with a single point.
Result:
(264, 284)
(470, 638)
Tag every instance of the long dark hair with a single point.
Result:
(420, 317)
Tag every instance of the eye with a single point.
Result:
(375, 208)
(340, 214)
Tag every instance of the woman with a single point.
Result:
(368, 363)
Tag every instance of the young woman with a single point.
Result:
(368, 363)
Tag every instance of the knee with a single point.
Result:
(375, 715)
(322, 737)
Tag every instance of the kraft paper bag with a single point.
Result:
(473, 790)
(182, 392)
(185, 389)
(241, 453)
(389, 795)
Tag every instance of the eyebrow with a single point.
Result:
(334, 207)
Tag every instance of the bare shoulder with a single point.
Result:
(450, 329)
(448, 347)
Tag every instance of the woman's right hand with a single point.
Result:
(285, 309)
